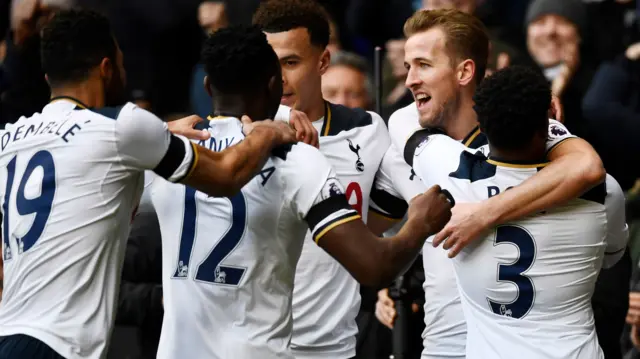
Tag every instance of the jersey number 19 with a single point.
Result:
(40, 205)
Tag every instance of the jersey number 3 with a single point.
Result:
(211, 270)
(526, 246)
(40, 205)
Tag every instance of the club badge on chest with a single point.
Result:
(356, 149)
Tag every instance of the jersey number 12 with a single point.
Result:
(211, 269)
(40, 205)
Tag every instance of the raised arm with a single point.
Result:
(225, 173)
(575, 168)
(316, 196)
(145, 143)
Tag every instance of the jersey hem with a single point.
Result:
(54, 342)
(342, 354)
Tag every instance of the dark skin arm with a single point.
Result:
(375, 261)
(379, 224)
(223, 174)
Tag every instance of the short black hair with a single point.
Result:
(74, 42)
(238, 59)
(285, 15)
(512, 106)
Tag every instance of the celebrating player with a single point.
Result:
(229, 263)
(539, 305)
(326, 298)
(446, 55)
(71, 178)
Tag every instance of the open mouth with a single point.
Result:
(286, 98)
(422, 100)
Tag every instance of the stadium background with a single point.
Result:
(599, 87)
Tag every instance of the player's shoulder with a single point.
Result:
(410, 111)
(300, 165)
(341, 118)
(116, 112)
(300, 159)
(407, 114)
(556, 128)
(296, 153)
(430, 144)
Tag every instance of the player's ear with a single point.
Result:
(207, 85)
(466, 72)
(325, 61)
(106, 68)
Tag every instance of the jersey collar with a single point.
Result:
(78, 103)
(515, 164)
(326, 126)
(468, 140)
(213, 118)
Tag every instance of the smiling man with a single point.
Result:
(446, 57)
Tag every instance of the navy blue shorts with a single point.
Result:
(22, 346)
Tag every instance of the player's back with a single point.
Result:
(526, 287)
(229, 263)
(445, 330)
(68, 198)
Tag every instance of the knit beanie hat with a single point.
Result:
(572, 10)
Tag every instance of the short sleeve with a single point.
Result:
(558, 133)
(313, 191)
(402, 124)
(617, 229)
(145, 143)
(283, 114)
(395, 185)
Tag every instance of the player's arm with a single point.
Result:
(225, 173)
(617, 229)
(317, 197)
(575, 168)
(372, 260)
(144, 142)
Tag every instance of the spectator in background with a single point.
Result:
(347, 81)
(23, 89)
(212, 16)
(556, 43)
(612, 106)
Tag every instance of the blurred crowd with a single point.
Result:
(588, 50)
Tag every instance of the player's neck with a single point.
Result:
(87, 93)
(234, 106)
(317, 110)
(461, 123)
(532, 154)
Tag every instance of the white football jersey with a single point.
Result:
(444, 335)
(229, 263)
(326, 298)
(526, 287)
(73, 177)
